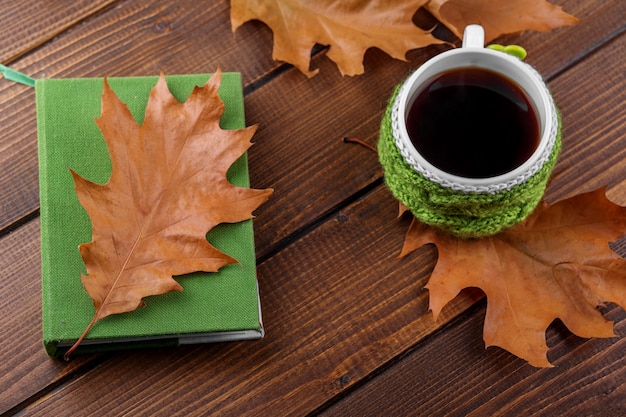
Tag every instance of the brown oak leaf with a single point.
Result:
(556, 264)
(350, 27)
(499, 17)
(167, 189)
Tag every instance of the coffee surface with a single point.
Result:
(473, 123)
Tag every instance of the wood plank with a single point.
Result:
(559, 49)
(27, 25)
(19, 174)
(460, 377)
(594, 125)
(317, 338)
(318, 343)
(146, 38)
(25, 368)
(300, 281)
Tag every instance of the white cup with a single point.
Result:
(473, 54)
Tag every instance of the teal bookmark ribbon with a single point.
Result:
(16, 76)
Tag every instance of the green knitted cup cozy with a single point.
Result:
(464, 214)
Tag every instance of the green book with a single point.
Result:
(221, 306)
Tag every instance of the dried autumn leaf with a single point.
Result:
(499, 17)
(556, 264)
(353, 26)
(167, 189)
(350, 27)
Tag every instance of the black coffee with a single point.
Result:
(473, 123)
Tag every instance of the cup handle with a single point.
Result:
(473, 37)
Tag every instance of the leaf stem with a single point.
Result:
(358, 141)
(67, 354)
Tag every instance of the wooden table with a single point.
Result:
(348, 326)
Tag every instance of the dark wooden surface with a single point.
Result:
(348, 327)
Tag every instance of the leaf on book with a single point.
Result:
(167, 189)
(351, 27)
(556, 264)
(499, 17)
(348, 27)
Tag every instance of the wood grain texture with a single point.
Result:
(453, 375)
(25, 369)
(319, 341)
(348, 325)
(556, 51)
(594, 125)
(27, 25)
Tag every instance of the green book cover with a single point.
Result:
(219, 306)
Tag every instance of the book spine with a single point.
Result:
(42, 151)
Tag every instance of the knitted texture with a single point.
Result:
(466, 215)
